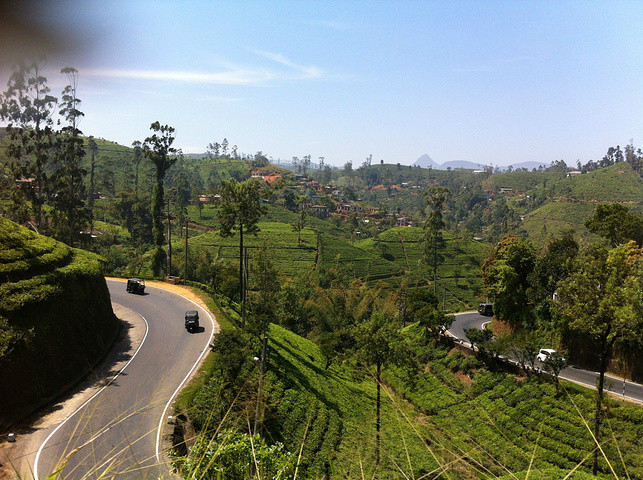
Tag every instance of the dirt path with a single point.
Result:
(17, 458)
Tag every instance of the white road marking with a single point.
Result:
(35, 468)
(198, 360)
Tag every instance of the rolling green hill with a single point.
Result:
(617, 183)
(555, 218)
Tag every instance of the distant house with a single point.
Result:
(210, 198)
(24, 181)
(574, 173)
(273, 177)
(319, 211)
(348, 208)
(506, 190)
(267, 177)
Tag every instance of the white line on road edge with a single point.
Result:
(158, 431)
(35, 468)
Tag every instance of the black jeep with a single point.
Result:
(136, 285)
(191, 320)
(486, 309)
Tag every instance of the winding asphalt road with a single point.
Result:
(627, 390)
(119, 430)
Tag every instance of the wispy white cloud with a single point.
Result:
(238, 76)
(230, 75)
(304, 72)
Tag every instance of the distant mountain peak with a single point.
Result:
(425, 162)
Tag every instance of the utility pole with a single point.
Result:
(169, 239)
(244, 285)
(187, 224)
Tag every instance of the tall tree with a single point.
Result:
(158, 149)
(433, 241)
(550, 269)
(634, 156)
(299, 224)
(265, 301)
(27, 107)
(136, 145)
(506, 276)
(600, 301)
(615, 223)
(70, 214)
(182, 198)
(379, 343)
(93, 148)
(240, 209)
(214, 150)
(224, 148)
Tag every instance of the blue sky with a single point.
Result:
(493, 82)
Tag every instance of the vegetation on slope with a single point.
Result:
(452, 417)
(56, 318)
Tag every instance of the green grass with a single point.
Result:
(617, 183)
(358, 262)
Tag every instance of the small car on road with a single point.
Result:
(191, 320)
(136, 285)
(544, 354)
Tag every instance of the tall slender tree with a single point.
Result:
(239, 211)
(136, 145)
(27, 107)
(507, 278)
(70, 214)
(93, 148)
(433, 244)
(379, 343)
(158, 149)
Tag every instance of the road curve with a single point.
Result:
(616, 386)
(119, 429)
(466, 320)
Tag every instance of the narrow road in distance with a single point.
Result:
(624, 389)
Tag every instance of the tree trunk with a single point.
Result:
(605, 348)
(377, 415)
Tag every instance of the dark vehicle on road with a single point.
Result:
(191, 320)
(136, 285)
(486, 309)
